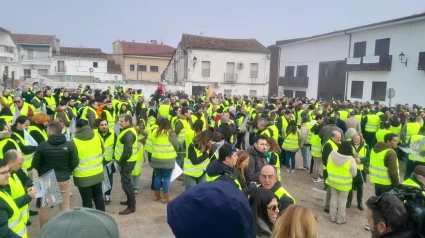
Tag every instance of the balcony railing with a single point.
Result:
(291, 81)
(230, 77)
(370, 63)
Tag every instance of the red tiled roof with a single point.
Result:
(113, 68)
(212, 43)
(32, 39)
(135, 48)
(81, 52)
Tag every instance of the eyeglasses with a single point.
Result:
(274, 208)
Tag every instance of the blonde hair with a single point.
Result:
(242, 156)
(296, 222)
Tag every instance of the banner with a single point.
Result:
(48, 189)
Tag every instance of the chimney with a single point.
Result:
(58, 46)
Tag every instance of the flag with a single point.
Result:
(71, 128)
(16, 114)
(29, 140)
(210, 92)
(43, 108)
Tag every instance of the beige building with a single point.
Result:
(142, 61)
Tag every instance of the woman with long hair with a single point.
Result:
(341, 169)
(265, 209)
(197, 159)
(124, 109)
(296, 222)
(272, 154)
(241, 164)
(192, 132)
(291, 145)
(164, 147)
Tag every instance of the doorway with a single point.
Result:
(331, 80)
(198, 90)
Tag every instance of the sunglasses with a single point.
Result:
(275, 208)
(16, 101)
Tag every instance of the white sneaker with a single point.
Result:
(293, 171)
(319, 180)
(367, 227)
(136, 191)
(301, 168)
(287, 170)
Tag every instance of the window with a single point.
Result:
(27, 73)
(302, 70)
(61, 66)
(115, 78)
(379, 90)
(142, 68)
(289, 71)
(357, 89)
(153, 68)
(300, 94)
(94, 64)
(206, 68)
(131, 67)
(288, 93)
(382, 47)
(421, 63)
(254, 70)
(227, 92)
(359, 49)
(253, 93)
(30, 54)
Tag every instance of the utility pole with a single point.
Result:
(137, 72)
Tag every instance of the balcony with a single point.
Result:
(291, 81)
(369, 63)
(7, 51)
(230, 77)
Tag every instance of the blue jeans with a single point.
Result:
(190, 181)
(290, 156)
(305, 152)
(164, 176)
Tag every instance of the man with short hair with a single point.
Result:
(268, 179)
(23, 107)
(387, 217)
(417, 177)
(257, 159)
(60, 155)
(90, 113)
(222, 169)
(326, 132)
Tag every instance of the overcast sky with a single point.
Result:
(98, 23)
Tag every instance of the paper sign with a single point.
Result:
(48, 189)
(106, 184)
(177, 171)
(29, 140)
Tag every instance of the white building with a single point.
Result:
(8, 55)
(230, 66)
(358, 64)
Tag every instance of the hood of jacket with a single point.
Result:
(255, 153)
(381, 146)
(56, 139)
(85, 133)
(263, 229)
(395, 123)
(340, 159)
(217, 167)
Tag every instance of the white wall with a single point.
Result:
(78, 66)
(310, 53)
(409, 82)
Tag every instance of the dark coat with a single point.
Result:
(257, 161)
(217, 167)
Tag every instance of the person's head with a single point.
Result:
(288, 114)
(296, 222)
(125, 120)
(60, 121)
(268, 176)
(164, 127)
(3, 125)
(41, 119)
(243, 160)
(186, 112)
(18, 101)
(305, 120)
(227, 155)
(203, 140)
(54, 128)
(419, 173)
(272, 145)
(198, 126)
(260, 143)
(108, 104)
(262, 124)
(15, 159)
(22, 123)
(356, 139)
(319, 118)
(345, 148)
(391, 139)
(4, 172)
(264, 206)
(103, 125)
(336, 136)
(93, 103)
(385, 214)
(332, 121)
(199, 109)
(80, 123)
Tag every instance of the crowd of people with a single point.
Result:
(229, 148)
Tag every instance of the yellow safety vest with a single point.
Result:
(372, 124)
(291, 142)
(362, 152)
(188, 136)
(275, 131)
(8, 119)
(42, 132)
(119, 147)
(284, 124)
(17, 190)
(51, 102)
(381, 134)
(195, 118)
(413, 139)
(38, 109)
(395, 130)
(3, 143)
(412, 128)
(16, 222)
(24, 110)
(162, 149)
(334, 147)
(110, 118)
(164, 110)
(412, 183)
(8, 99)
(138, 167)
(108, 144)
(195, 171)
(186, 126)
(281, 191)
(339, 176)
(27, 157)
(66, 115)
(90, 155)
(378, 170)
(358, 117)
(86, 109)
(343, 115)
(316, 144)
(279, 176)
(210, 179)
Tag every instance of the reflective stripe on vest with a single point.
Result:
(291, 142)
(372, 124)
(27, 157)
(195, 171)
(139, 162)
(281, 191)
(17, 190)
(15, 222)
(51, 102)
(210, 179)
(316, 144)
(162, 149)
(339, 176)
(108, 144)
(90, 156)
(119, 147)
(378, 170)
(42, 132)
(186, 126)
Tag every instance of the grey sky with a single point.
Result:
(96, 23)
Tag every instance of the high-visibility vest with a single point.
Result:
(90, 156)
(381, 134)
(164, 110)
(73, 109)
(281, 191)
(275, 131)
(27, 157)
(410, 182)
(138, 167)
(279, 176)
(136, 96)
(378, 170)
(210, 179)
(343, 115)
(51, 102)
(66, 115)
(307, 140)
(119, 147)
(195, 118)
(162, 149)
(291, 142)
(195, 171)
(358, 117)
(186, 126)
(17, 190)
(395, 130)
(4, 142)
(372, 124)
(267, 132)
(37, 110)
(8, 119)
(284, 124)
(188, 136)
(148, 144)
(316, 144)
(16, 222)
(412, 128)
(413, 139)
(212, 119)
(24, 110)
(7, 100)
(299, 117)
(334, 147)
(42, 132)
(362, 153)
(86, 109)
(108, 144)
(110, 118)
(339, 176)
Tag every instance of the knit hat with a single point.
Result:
(224, 119)
(198, 107)
(350, 133)
(81, 222)
(213, 209)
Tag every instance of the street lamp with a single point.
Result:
(402, 58)
(91, 70)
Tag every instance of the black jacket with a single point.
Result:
(246, 188)
(227, 131)
(285, 201)
(58, 154)
(257, 161)
(409, 233)
(227, 173)
(6, 212)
